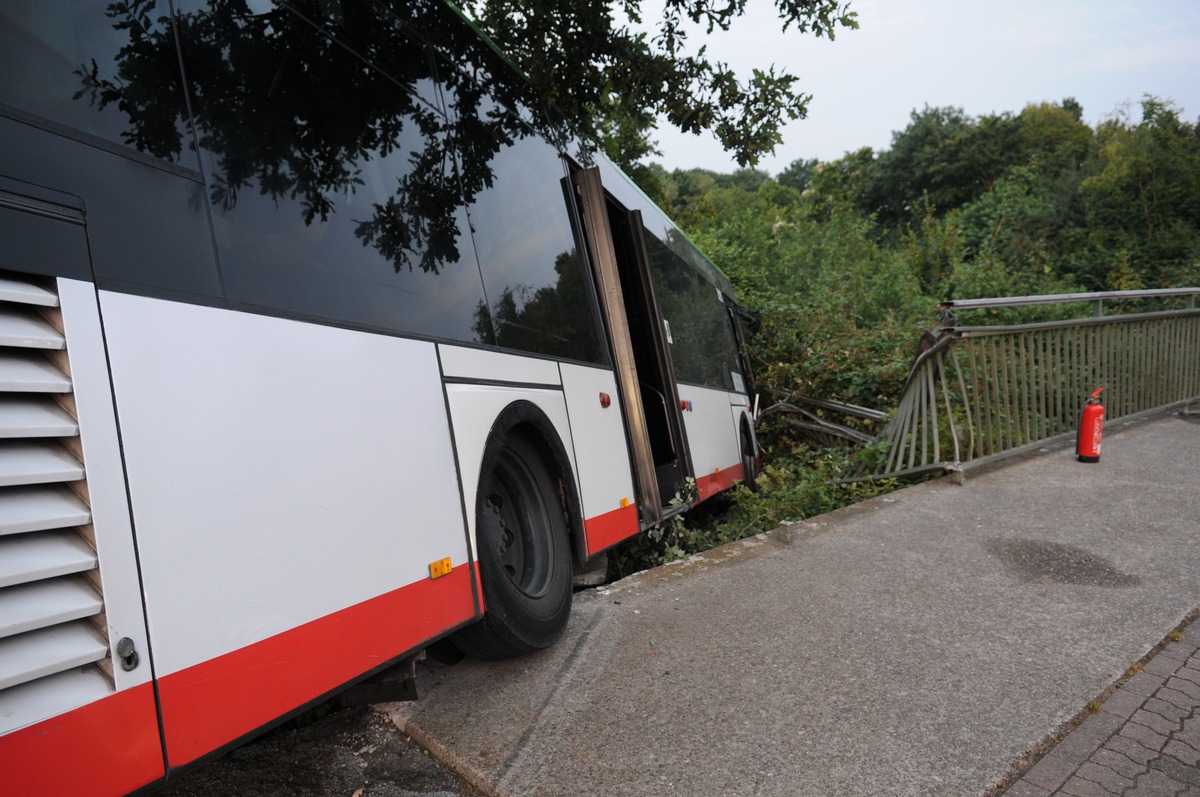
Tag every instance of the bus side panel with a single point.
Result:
(216, 701)
(70, 699)
(475, 407)
(102, 761)
(105, 747)
(713, 439)
(742, 410)
(290, 485)
(482, 365)
(602, 457)
(105, 478)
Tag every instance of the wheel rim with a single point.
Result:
(518, 526)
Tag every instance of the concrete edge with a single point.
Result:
(394, 712)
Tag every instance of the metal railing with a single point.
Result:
(979, 393)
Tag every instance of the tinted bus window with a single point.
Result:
(334, 194)
(703, 346)
(533, 276)
(101, 69)
(538, 294)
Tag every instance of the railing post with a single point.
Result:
(1098, 308)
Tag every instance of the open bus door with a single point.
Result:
(638, 337)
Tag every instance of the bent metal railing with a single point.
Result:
(979, 393)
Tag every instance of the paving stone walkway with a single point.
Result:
(1143, 742)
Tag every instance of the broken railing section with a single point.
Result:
(801, 414)
(981, 392)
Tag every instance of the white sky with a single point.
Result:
(982, 57)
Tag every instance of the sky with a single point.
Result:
(982, 57)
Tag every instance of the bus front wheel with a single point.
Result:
(524, 555)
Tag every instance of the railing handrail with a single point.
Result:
(1001, 329)
(1064, 298)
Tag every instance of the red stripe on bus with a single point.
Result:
(217, 701)
(709, 485)
(110, 746)
(604, 531)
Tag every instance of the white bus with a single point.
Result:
(320, 341)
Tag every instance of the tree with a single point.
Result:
(840, 182)
(945, 159)
(799, 174)
(1142, 199)
(610, 79)
(1056, 134)
(919, 168)
(1013, 221)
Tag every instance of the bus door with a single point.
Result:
(639, 340)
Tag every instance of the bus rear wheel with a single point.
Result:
(523, 551)
(749, 460)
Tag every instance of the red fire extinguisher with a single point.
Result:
(1091, 426)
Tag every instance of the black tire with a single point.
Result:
(749, 461)
(523, 550)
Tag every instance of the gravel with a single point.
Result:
(353, 752)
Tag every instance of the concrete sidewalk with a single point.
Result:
(917, 644)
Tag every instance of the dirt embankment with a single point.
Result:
(352, 752)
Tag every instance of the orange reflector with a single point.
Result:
(605, 400)
(440, 568)
(624, 503)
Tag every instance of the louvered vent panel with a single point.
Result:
(41, 555)
(49, 651)
(51, 610)
(28, 416)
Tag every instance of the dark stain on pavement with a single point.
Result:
(1038, 560)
